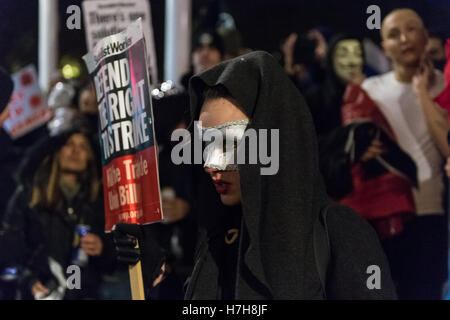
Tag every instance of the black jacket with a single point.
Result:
(29, 236)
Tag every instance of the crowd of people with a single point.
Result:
(363, 153)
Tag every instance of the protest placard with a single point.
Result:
(27, 110)
(104, 18)
(118, 68)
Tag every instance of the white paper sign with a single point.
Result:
(27, 109)
(103, 18)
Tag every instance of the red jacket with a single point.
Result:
(444, 98)
(385, 200)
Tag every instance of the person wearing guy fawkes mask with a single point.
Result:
(257, 238)
(344, 65)
(207, 51)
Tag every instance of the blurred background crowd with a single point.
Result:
(378, 100)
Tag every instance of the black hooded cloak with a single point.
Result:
(276, 258)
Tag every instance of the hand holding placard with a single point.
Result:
(152, 256)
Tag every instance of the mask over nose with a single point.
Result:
(221, 144)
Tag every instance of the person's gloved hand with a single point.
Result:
(149, 252)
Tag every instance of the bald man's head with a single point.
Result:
(399, 14)
(404, 37)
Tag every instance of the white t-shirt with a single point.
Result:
(402, 109)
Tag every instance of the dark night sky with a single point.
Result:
(262, 23)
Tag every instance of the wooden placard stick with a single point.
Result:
(136, 280)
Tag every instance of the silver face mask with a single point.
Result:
(221, 144)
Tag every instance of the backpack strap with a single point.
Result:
(322, 249)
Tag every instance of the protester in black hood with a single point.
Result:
(260, 231)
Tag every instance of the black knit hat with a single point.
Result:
(210, 38)
(6, 88)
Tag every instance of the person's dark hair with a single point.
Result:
(437, 35)
(218, 92)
